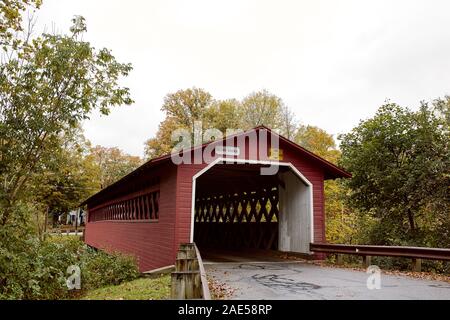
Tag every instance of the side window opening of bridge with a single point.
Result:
(144, 207)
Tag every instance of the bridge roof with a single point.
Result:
(331, 170)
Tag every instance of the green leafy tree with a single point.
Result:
(69, 177)
(47, 86)
(400, 163)
(442, 107)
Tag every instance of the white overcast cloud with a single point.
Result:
(332, 62)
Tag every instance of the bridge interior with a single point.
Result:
(239, 211)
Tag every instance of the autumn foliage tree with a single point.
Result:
(112, 164)
(11, 16)
(186, 107)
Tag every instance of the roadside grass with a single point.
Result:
(140, 289)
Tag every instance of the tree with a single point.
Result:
(224, 115)
(442, 107)
(69, 177)
(187, 106)
(318, 141)
(397, 158)
(48, 84)
(11, 18)
(262, 108)
(112, 164)
(162, 144)
(183, 109)
(288, 122)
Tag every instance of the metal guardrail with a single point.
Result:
(386, 251)
(367, 251)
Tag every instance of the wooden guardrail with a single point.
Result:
(367, 251)
(189, 279)
(206, 295)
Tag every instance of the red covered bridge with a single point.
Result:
(230, 200)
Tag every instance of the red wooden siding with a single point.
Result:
(315, 175)
(152, 242)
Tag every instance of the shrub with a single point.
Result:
(99, 269)
(33, 269)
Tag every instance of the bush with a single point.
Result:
(100, 269)
(33, 269)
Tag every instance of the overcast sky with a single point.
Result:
(332, 62)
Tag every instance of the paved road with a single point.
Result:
(299, 280)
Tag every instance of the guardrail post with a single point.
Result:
(367, 261)
(339, 259)
(417, 265)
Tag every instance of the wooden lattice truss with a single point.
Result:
(244, 219)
